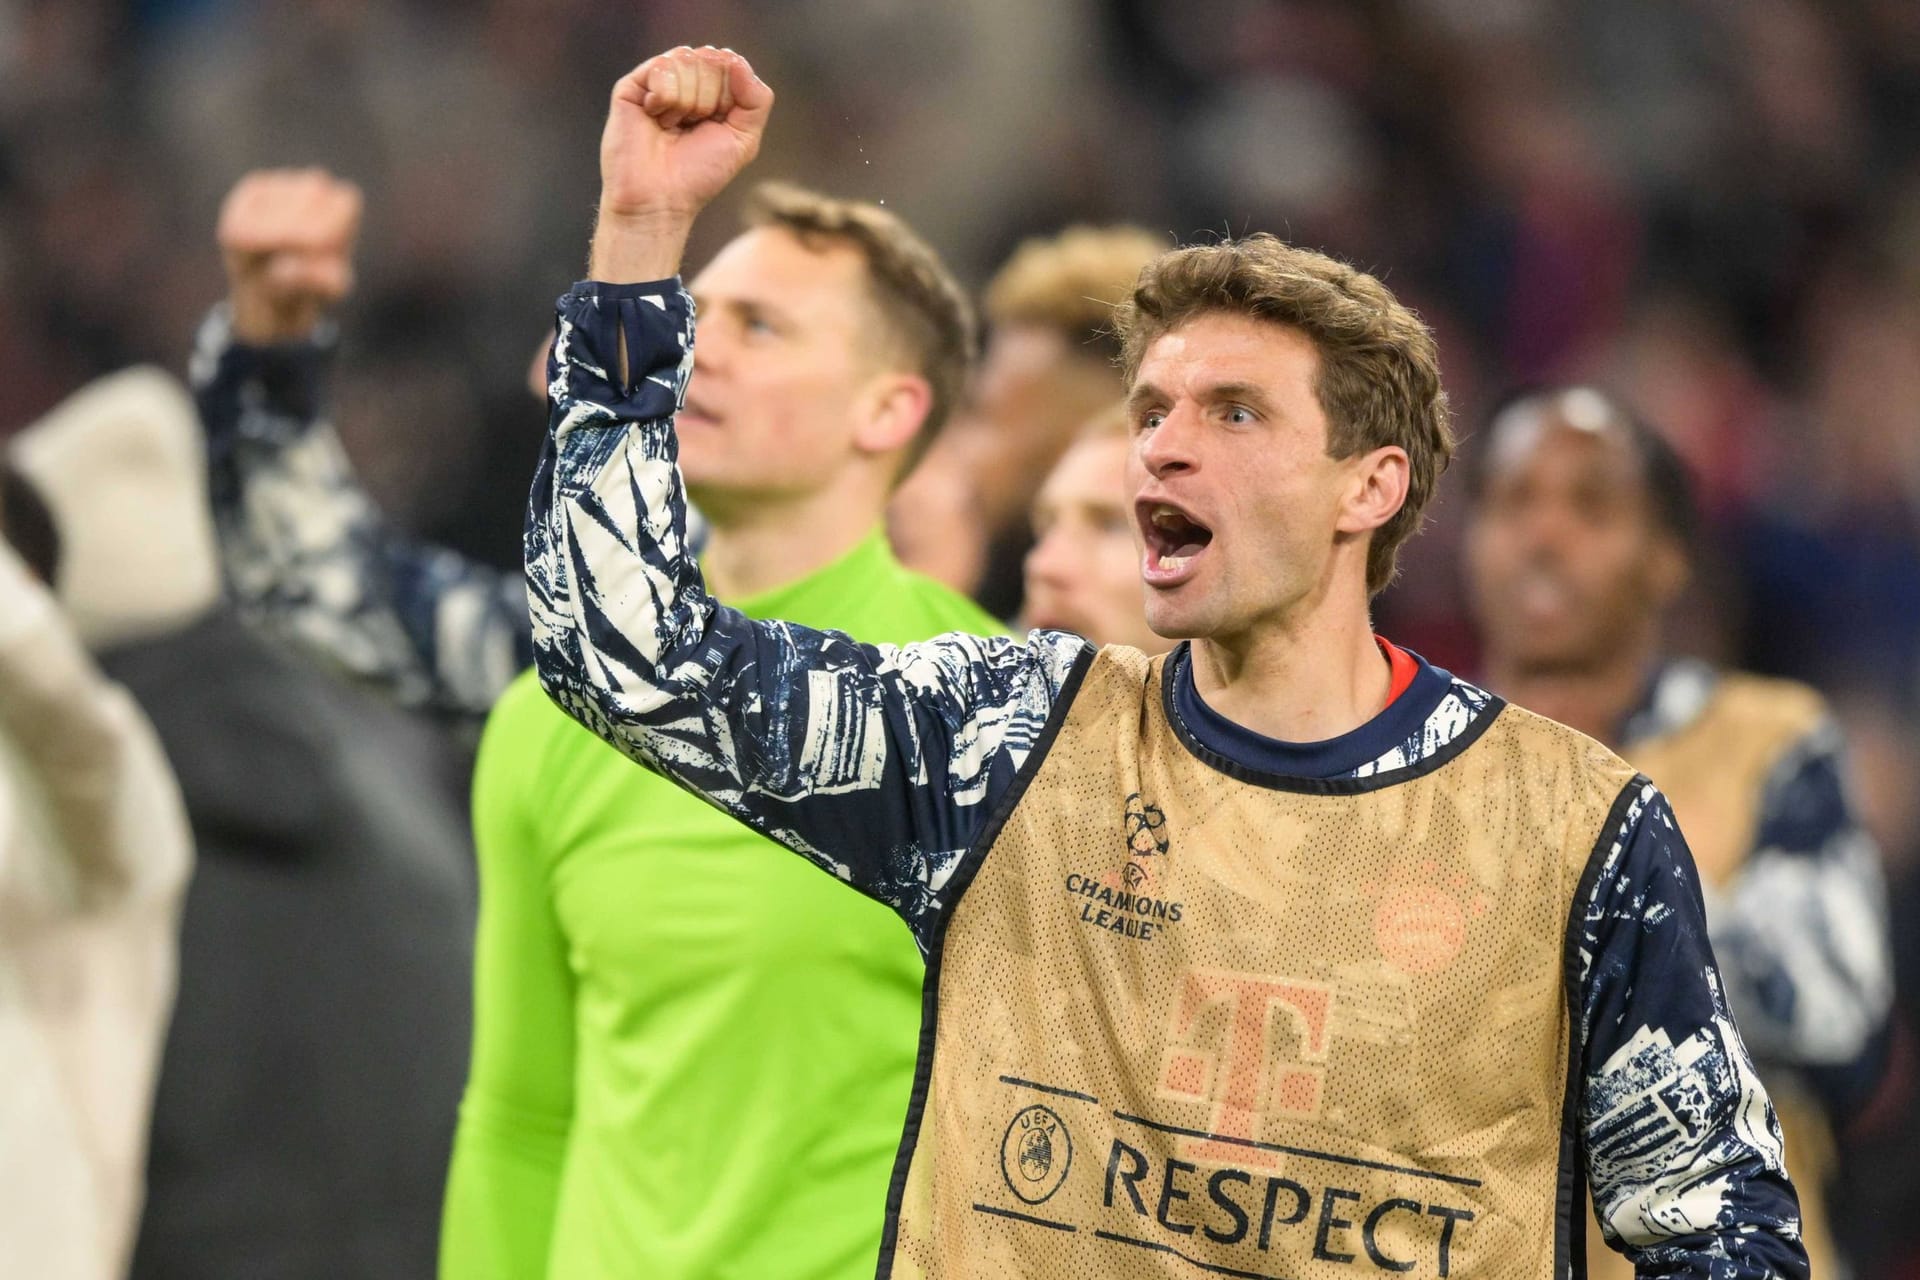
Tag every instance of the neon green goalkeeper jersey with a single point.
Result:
(692, 1050)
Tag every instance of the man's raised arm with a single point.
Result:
(882, 764)
(305, 551)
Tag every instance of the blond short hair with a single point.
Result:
(1379, 379)
(1070, 283)
(925, 311)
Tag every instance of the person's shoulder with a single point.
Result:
(523, 723)
(1766, 706)
(935, 608)
(1590, 764)
(522, 700)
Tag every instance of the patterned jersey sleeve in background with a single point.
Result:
(1683, 1151)
(1802, 932)
(881, 764)
(310, 558)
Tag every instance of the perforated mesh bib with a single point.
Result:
(1192, 1024)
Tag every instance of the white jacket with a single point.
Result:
(94, 856)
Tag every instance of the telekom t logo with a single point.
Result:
(1233, 1067)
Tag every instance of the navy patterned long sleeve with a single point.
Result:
(884, 766)
(880, 763)
(1683, 1150)
(308, 556)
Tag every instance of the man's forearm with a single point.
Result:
(633, 249)
(1802, 932)
(1683, 1152)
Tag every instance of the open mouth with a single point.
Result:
(1174, 540)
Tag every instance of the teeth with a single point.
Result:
(1165, 517)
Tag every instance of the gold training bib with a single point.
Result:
(1190, 1023)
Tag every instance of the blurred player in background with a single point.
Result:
(1083, 574)
(1281, 949)
(1047, 368)
(94, 856)
(643, 1099)
(1578, 546)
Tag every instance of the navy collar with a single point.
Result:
(1398, 724)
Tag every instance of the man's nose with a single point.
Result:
(714, 351)
(1540, 538)
(1548, 528)
(1168, 448)
(1052, 559)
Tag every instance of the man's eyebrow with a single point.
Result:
(1247, 393)
(743, 306)
(1250, 394)
(1142, 395)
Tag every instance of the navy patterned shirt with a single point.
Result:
(894, 758)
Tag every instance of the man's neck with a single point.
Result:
(761, 545)
(1321, 677)
(1595, 699)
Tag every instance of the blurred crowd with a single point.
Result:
(1712, 209)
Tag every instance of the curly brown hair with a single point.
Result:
(1379, 378)
(924, 310)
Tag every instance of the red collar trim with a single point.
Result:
(1402, 668)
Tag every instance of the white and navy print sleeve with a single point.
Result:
(1683, 1151)
(882, 764)
(1802, 932)
(308, 557)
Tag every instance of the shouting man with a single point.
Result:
(1285, 954)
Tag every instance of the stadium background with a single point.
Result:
(1713, 208)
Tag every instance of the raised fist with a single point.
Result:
(680, 126)
(287, 236)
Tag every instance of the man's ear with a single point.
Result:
(1376, 489)
(891, 411)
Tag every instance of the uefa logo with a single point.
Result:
(1035, 1154)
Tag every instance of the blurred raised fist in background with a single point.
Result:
(287, 237)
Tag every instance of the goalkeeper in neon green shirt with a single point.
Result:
(692, 1052)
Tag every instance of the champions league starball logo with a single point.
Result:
(1035, 1154)
(1146, 839)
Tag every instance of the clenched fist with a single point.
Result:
(287, 236)
(679, 127)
